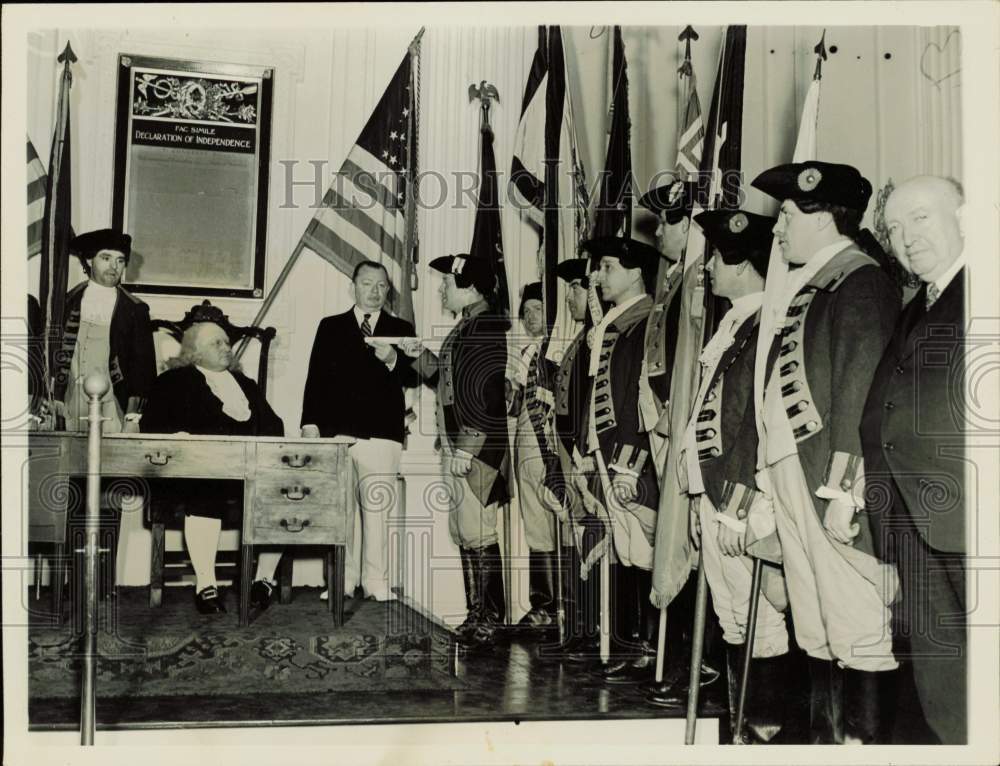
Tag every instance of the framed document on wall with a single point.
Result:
(192, 146)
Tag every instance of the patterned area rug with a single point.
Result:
(288, 649)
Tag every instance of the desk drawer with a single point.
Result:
(294, 524)
(299, 489)
(305, 458)
(190, 460)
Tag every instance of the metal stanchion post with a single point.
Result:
(95, 387)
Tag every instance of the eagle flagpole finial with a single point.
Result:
(487, 93)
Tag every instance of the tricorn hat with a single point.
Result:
(89, 244)
(739, 236)
(631, 252)
(467, 270)
(574, 268)
(531, 292)
(674, 199)
(818, 181)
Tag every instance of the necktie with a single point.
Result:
(366, 328)
(933, 293)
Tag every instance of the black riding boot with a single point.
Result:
(826, 702)
(642, 647)
(585, 646)
(489, 572)
(764, 706)
(864, 701)
(473, 594)
(540, 621)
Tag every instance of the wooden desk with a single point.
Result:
(295, 491)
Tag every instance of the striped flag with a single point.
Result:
(673, 553)
(543, 184)
(691, 138)
(366, 211)
(36, 201)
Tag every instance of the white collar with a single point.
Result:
(98, 302)
(745, 305)
(613, 313)
(372, 316)
(945, 279)
(227, 390)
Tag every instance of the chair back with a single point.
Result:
(167, 347)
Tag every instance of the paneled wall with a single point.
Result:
(890, 105)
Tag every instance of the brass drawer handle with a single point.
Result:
(295, 493)
(158, 458)
(294, 461)
(294, 525)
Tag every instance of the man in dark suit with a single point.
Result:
(914, 449)
(202, 395)
(355, 388)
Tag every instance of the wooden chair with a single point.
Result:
(228, 564)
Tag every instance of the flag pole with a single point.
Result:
(292, 259)
(51, 294)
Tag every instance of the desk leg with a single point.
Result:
(285, 576)
(335, 576)
(246, 575)
(158, 543)
(57, 576)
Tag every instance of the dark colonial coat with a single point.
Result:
(835, 333)
(469, 380)
(132, 363)
(180, 400)
(622, 438)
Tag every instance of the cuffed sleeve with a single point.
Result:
(629, 460)
(469, 440)
(844, 478)
(427, 367)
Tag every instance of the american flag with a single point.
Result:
(365, 213)
(36, 201)
(673, 552)
(692, 136)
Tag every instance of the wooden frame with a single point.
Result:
(192, 150)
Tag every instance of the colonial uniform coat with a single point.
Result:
(132, 359)
(914, 451)
(472, 417)
(534, 454)
(820, 368)
(719, 461)
(616, 429)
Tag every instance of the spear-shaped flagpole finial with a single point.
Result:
(67, 55)
(820, 51)
(687, 36)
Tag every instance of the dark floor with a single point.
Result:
(508, 683)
